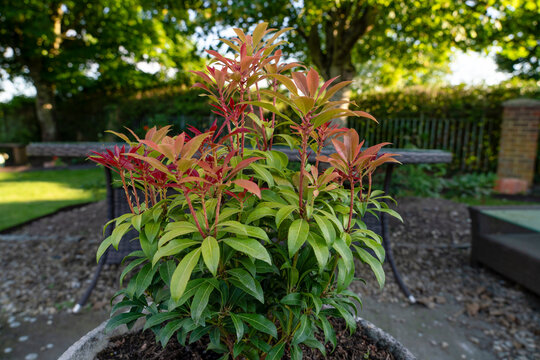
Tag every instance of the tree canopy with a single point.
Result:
(520, 39)
(64, 47)
(340, 37)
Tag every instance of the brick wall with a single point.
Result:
(518, 144)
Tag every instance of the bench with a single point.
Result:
(118, 206)
(507, 240)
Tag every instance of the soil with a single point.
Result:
(142, 345)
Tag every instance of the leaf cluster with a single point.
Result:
(235, 245)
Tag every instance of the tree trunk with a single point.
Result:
(346, 72)
(45, 109)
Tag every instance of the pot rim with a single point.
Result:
(96, 340)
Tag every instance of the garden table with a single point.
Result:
(116, 206)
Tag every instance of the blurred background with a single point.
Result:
(434, 73)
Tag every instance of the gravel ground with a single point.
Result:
(44, 272)
(47, 264)
(431, 250)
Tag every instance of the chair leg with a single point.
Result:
(92, 285)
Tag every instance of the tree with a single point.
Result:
(339, 37)
(63, 47)
(520, 39)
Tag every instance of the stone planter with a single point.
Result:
(96, 340)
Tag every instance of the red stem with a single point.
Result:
(193, 213)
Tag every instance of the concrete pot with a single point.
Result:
(96, 340)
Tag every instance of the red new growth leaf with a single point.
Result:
(249, 186)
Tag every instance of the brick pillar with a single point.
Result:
(518, 143)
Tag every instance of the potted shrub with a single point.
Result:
(235, 246)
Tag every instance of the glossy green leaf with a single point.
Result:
(259, 322)
(375, 264)
(174, 247)
(105, 244)
(176, 229)
(326, 227)
(249, 247)
(238, 326)
(200, 301)
(210, 253)
(144, 278)
(124, 318)
(284, 213)
(277, 351)
(183, 272)
(298, 233)
(243, 279)
(263, 174)
(151, 230)
(130, 267)
(118, 233)
(320, 249)
(259, 213)
(159, 318)
(346, 254)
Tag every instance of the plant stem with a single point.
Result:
(351, 180)
(193, 213)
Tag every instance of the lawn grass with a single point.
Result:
(28, 195)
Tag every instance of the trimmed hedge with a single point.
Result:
(459, 101)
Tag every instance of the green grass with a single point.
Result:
(28, 195)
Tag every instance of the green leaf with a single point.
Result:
(346, 254)
(183, 273)
(151, 230)
(246, 282)
(298, 233)
(277, 351)
(176, 229)
(320, 249)
(377, 248)
(238, 228)
(263, 174)
(374, 263)
(124, 318)
(238, 326)
(284, 213)
(392, 213)
(159, 318)
(136, 221)
(144, 279)
(326, 227)
(200, 300)
(303, 331)
(296, 352)
(249, 247)
(174, 247)
(261, 323)
(329, 332)
(293, 299)
(259, 213)
(103, 247)
(166, 270)
(169, 329)
(118, 233)
(210, 253)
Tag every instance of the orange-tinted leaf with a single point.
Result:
(249, 186)
(301, 82)
(312, 82)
